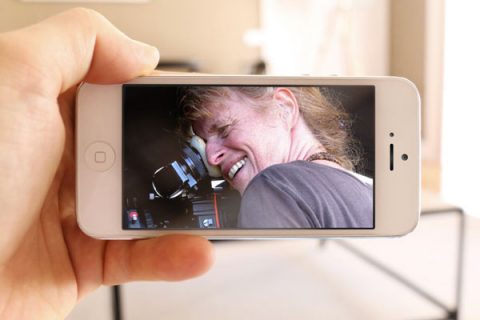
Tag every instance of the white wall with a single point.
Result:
(461, 114)
(325, 37)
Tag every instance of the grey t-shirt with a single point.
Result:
(304, 194)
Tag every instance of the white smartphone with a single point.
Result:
(248, 157)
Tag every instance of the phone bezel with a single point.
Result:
(397, 192)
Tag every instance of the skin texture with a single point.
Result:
(46, 263)
(276, 134)
(237, 132)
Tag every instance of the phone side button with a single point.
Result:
(100, 156)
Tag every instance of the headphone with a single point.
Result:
(199, 145)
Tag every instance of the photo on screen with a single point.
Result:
(248, 157)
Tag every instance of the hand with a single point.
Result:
(46, 263)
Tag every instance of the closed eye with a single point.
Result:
(224, 131)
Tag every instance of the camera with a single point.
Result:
(185, 192)
(207, 199)
(190, 180)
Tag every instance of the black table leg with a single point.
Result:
(116, 303)
(450, 313)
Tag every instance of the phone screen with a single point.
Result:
(248, 157)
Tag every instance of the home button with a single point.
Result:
(100, 156)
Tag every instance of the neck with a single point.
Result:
(303, 149)
(303, 143)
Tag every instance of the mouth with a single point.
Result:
(236, 168)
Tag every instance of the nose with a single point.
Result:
(215, 152)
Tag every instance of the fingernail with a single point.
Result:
(150, 56)
(153, 54)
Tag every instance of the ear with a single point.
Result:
(288, 106)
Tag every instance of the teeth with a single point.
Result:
(237, 166)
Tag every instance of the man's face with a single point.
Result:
(242, 140)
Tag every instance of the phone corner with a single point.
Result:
(410, 228)
(84, 228)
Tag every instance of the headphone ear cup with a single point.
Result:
(199, 145)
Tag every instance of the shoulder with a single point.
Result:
(274, 200)
(307, 182)
(304, 194)
(301, 172)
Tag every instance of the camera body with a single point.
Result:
(187, 182)
(211, 205)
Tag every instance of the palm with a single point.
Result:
(46, 262)
(55, 263)
(55, 260)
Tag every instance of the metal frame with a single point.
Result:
(450, 313)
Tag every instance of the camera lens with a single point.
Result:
(194, 162)
(404, 157)
(166, 180)
(172, 180)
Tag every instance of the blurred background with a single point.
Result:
(430, 42)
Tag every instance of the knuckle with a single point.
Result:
(86, 17)
(84, 13)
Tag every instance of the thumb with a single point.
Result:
(37, 64)
(79, 44)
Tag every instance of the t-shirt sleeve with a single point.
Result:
(269, 204)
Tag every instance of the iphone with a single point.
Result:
(248, 156)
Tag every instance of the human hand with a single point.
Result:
(46, 262)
